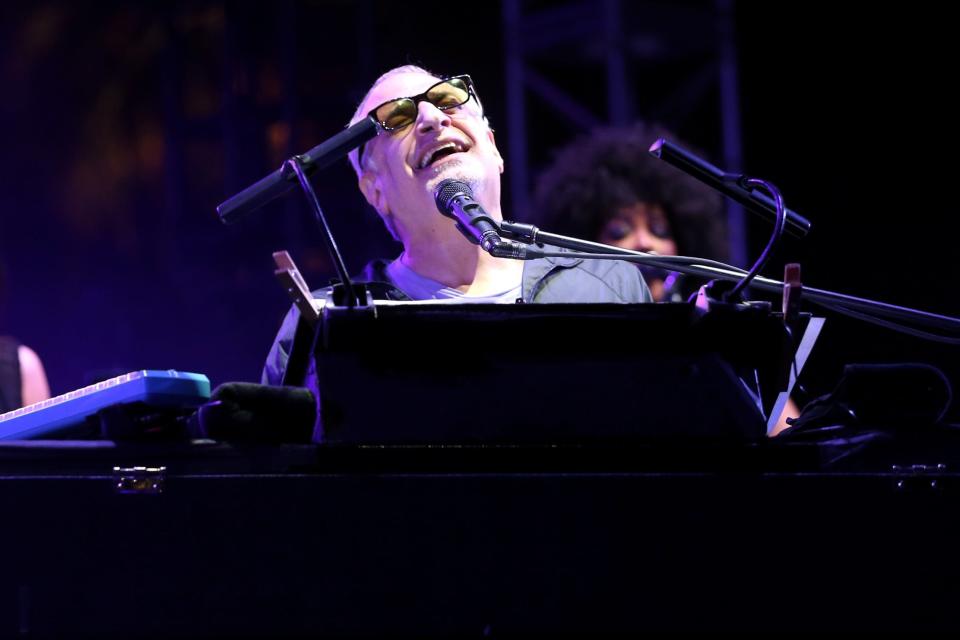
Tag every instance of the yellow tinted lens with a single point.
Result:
(396, 114)
(449, 94)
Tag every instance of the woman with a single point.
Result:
(607, 187)
(22, 378)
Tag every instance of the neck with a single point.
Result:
(464, 266)
(440, 252)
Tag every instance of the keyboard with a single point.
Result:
(162, 389)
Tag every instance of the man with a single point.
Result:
(440, 132)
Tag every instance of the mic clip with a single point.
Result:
(715, 295)
(514, 250)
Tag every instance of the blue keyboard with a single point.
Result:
(166, 389)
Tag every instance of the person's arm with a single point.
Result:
(33, 379)
(790, 410)
(276, 364)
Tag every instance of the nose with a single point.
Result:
(430, 118)
(641, 240)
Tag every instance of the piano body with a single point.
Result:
(569, 513)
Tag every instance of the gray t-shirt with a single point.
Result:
(420, 288)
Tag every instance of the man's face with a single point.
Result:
(403, 167)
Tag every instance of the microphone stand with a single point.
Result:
(530, 234)
(352, 295)
(297, 169)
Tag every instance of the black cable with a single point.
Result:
(665, 262)
(887, 324)
(778, 229)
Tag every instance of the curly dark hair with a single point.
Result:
(609, 169)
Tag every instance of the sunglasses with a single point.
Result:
(398, 113)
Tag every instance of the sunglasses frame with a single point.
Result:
(417, 99)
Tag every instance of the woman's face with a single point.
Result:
(642, 227)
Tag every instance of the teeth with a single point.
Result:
(428, 157)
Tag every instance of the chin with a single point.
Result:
(453, 169)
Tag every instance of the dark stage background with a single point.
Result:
(125, 124)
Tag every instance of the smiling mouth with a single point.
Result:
(438, 154)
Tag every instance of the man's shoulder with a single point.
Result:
(574, 279)
(624, 279)
(604, 268)
(374, 277)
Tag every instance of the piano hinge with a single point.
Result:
(139, 480)
(917, 476)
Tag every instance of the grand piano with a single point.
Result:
(639, 493)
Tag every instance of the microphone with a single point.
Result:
(455, 200)
(729, 184)
(283, 180)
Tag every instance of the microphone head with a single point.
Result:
(447, 190)
(656, 149)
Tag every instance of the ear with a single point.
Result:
(495, 150)
(370, 188)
